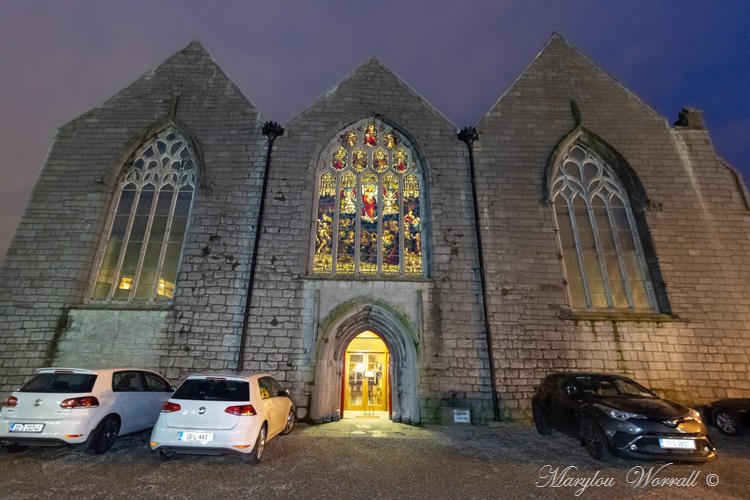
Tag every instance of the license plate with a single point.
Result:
(687, 444)
(196, 436)
(26, 427)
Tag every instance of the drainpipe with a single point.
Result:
(271, 130)
(469, 135)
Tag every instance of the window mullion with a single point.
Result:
(144, 246)
(335, 223)
(579, 250)
(600, 252)
(125, 242)
(357, 224)
(164, 244)
(620, 256)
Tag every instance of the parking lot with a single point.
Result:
(376, 459)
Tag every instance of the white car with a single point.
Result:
(223, 414)
(78, 406)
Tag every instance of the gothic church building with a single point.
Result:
(373, 257)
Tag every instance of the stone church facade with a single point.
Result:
(573, 228)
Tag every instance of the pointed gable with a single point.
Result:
(374, 87)
(190, 73)
(560, 73)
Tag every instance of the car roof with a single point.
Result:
(587, 374)
(229, 375)
(92, 371)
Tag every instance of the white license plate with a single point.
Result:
(26, 427)
(687, 444)
(196, 436)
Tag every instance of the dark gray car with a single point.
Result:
(612, 414)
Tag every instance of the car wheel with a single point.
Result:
(260, 446)
(540, 421)
(291, 419)
(727, 422)
(15, 448)
(103, 437)
(594, 441)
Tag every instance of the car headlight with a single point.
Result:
(621, 415)
(695, 415)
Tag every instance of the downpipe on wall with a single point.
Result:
(271, 130)
(468, 135)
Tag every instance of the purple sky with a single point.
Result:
(59, 59)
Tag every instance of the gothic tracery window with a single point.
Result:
(369, 210)
(601, 248)
(147, 232)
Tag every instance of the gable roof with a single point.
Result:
(558, 53)
(373, 73)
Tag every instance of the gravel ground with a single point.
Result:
(370, 460)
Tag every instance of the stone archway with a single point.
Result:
(338, 329)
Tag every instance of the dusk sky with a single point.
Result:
(60, 59)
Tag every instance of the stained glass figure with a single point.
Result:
(324, 224)
(380, 160)
(400, 160)
(412, 226)
(390, 141)
(348, 139)
(371, 135)
(339, 159)
(359, 159)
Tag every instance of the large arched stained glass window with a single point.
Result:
(601, 248)
(145, 241)
(369, 209)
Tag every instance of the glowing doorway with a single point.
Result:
(366, 388)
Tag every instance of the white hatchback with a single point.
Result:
(79, 406)
(222, 414)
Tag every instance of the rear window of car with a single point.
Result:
(64, 382)
(213, 390)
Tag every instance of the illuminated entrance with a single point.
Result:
(366, 381)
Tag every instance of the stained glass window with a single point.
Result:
(601, 248)
(369, 206)
(143, 251)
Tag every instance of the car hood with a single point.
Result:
(659, 409)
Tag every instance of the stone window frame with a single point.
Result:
(639, 203)
(179, 149)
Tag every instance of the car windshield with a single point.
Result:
(612, 386)
(200, 389)
(60, 382)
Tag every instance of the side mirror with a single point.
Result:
(287, 393)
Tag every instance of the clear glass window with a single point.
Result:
(143, 251)
(598, 236)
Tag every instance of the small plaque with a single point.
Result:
(462, 416)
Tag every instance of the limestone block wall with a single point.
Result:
(453, 351)
(46, 316)
(696, 348)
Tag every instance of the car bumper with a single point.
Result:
(649, 447)
(73, 429)
(240, 440)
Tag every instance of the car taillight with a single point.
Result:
(241, 411)
(170, 407)
(11, 401)
(84, 402)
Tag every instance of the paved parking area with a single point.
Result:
(354, 459)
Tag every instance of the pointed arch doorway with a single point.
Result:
(366, 380)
